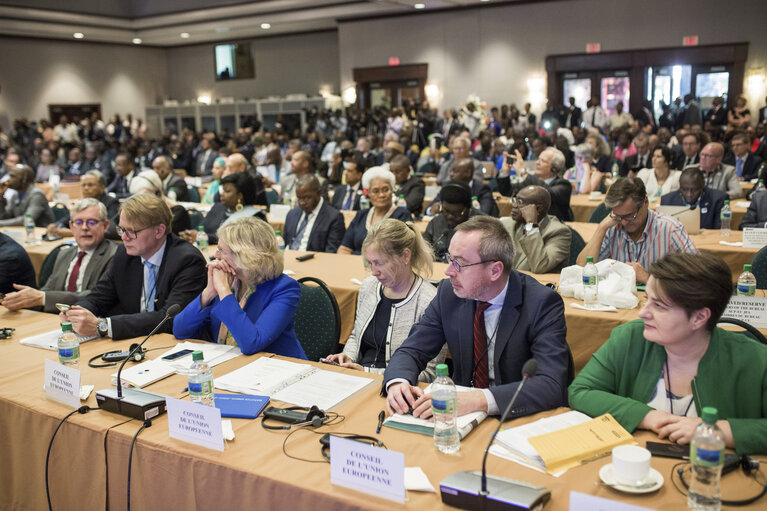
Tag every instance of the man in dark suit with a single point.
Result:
(203, 161)
(347, 197)
(694, 194)
(411, 187)
(746, 164)
(15, 265)
(514, 318)
(124, 172)
(690, 151)
(314, 225)
(173, 185)
(717, 115)
(93, 185)
(756, 214)
(152, 270)
(641, 160)
(463, 171)
(31, 200)
(78, 267)
(572, 115)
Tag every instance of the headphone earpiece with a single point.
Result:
(139, 355)
(748, 464)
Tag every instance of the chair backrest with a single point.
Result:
(195, 219)
(60, 211)
(194, 194)
(47, 268)
(599, 213)
(750, 330)
(576, 245)
(759, 268)
(272, 197)
(318, 320)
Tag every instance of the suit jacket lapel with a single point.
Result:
(465, 331)
(508, 320)
(95, 261)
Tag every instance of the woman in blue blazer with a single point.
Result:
(248, 302)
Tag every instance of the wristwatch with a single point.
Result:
(529, 227)
(103, 327)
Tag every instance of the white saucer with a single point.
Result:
(654, 481)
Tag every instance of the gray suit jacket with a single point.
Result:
(724, 178)
(55, 287)
(34, 202)
(545, 251)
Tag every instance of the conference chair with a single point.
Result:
(318, 319)
(576, 245)
(750, 330)
(272, 197)
(759, 268)
(60, 211)
(194, 194)
(47, 268)
(599, 213)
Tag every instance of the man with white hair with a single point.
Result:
(460, 148)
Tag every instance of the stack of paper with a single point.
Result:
(49, 340)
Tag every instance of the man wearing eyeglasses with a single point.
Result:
(634, 234)
(718, 175)
(152, 270)
(514, 318)
(78, 267)
(456, 209)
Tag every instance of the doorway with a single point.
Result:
(390, 86)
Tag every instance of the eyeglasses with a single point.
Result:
(379, 191)
(132, 234)
(518, 203)
(458, 266)
(706, 155)
(629, 217)
(90, 222)
(454, 214)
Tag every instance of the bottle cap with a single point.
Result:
(196, 355)
(441, 369)
(276, 233)
(589, 259)
(66, 327)
(746, 267)
(709, 414)
(726, 202)
(200, 228)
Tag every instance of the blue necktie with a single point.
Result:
(739, 166)
(300, 234)
(152, 282)
(348, 203)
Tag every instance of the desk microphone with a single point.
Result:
(469, 490)
(134, 403)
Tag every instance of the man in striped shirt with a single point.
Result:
(634, 234)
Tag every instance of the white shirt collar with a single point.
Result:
(500, 297)
(156, 258)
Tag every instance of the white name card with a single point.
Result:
(584, 502)
(751, 309)
(62, 383)
(195, 423)
(368, 469)
(754, 237)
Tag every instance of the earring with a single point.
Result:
(239, 206)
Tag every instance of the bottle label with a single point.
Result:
(707, 457)
(442, 405)
(590, 281)
(69, 353)
(725, 215)
(746, 290)
(200, 388)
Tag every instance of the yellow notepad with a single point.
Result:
(569, 447)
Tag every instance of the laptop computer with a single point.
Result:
(690, 218)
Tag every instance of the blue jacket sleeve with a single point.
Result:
(193, 322)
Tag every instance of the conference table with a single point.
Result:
(88, 467)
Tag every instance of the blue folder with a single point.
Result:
(241, 406)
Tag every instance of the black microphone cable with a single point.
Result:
(82, 409)
(147, 424)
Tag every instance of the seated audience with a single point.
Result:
(410, 187)
(460, 147)
(514, 318)
(456, 209)
(124, 172)
(658, 372)
(31, 200)
(660, 179)
(380, 185)
(217, 171)
(541, 241)
(347, 197)
(745, 162)
(15, 266)
(584, 177)
(694, 194)
(247, 301)
(462, 171)
(93, 185)
(47, 167)
(314, 224)
(301, 164)
(392, 299)
(756, 214)
(238, 194)
(149, 182)
(690, 151)
(152, 270)
(173, 185)
(602, 152)
(639, 160)
(718, 175)
(78, 267)
(633, 233)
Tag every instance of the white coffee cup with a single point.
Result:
(631, 464)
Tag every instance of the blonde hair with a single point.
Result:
(147, 210)
(392, 237)
(254, 248)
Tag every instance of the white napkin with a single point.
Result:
(731, 243)
(416, 480)
(599, 307)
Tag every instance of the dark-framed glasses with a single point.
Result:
(90, 222)
(630, 217)
(458, 266)
(132, 234)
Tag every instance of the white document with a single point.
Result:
(584, 502)
(50, 340)
(754, 237)
(195, 423)
(212, 353)
(143, 374)
(322, 388)
(751, 309)
(416, 480)
(62, 383)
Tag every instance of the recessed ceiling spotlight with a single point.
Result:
(420, 6)
(136, 40)
(184, 35)
(78, 35)
(266, 26)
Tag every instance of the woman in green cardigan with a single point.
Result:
(658, 372)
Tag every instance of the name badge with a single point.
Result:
(703, 211)
(195, 423)
(368, 469)
(62, 383)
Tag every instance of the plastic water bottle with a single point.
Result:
(172, 195)
(590, 284)
(200, 380)
(29, 227)
(364, 202)
(475, 202)
(725, 216)
(707, 459)
(746, 282)
(616, 169)
(69, 346)
(202, 241)
(401, 202)
(280, 241)
(759, 185)
(444, 408)
(513, 176)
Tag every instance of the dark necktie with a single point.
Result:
(481, 367)
(593, 116)
(349, 197)
(300, 234)
(72, 283)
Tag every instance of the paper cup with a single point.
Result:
(631, 464)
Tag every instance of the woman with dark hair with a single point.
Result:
(660, 179)
(658, 372)
(238, 196)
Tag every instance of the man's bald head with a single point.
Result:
(299, 162)
(711, 156)
(462, 170)
(235, 163)
(537, 195)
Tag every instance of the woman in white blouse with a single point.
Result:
(660, 179)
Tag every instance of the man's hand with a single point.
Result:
(188, 235)
(467, 402)
(642, 275)
(401, 397)
(530, 213)
(435, 209)
(608, 222)
(24, 298)
(680, 431)
(83, 321)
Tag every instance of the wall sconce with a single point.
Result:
(204, 99)
(350, 95)
(432, 92)
(756, 82)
